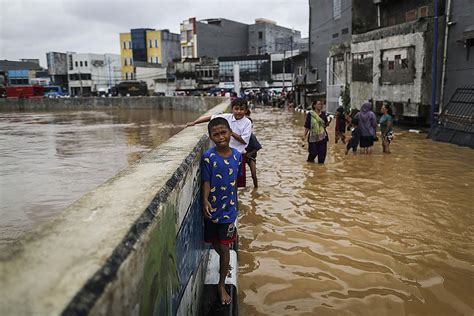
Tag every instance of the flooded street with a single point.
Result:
(50, 159)
(360, 235)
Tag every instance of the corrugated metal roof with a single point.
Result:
(6, 65)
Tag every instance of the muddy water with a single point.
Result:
(50, 159)
(360, 235)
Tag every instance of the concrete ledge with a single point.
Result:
(115, 250)
(78, 104)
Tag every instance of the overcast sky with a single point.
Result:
(30, 28)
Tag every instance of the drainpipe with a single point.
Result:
(379, 23)
(434, 63)
(445, 54)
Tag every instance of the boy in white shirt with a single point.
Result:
(240, 126)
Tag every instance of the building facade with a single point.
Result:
(266, 37)
(458, 69)
(89, 74)
(392, 55)
(158, 47)
(329, 33)
(21, 72)
(213, 38)
(57, 68)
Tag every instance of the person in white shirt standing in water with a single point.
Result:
(240, 126)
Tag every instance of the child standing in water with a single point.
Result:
(355, 139)
(241, 129)
(340, 125)
(220, 166)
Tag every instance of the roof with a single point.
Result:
(6, 65)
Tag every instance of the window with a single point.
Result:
(77, 64)
(156, 43)
(85, 63)
(345, 31)
(149, 44)
(126, 76)
(336, 9)
(157, 60)
(391, 65)
(410, 15)
(260, 35)
(80, 63)
(423, 12)
(124, 45)
(183, 36)
(189, 35)
(125, 61)
(335, 35)
(404, 63)
(130, 44)
(398, 57)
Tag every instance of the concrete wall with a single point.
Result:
(170, 47)
(413, 94)
(323, 29)
(460, 59)
(189, 103)
(227, 39)
(275, 38)
(133, 246)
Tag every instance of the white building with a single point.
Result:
(89, 74)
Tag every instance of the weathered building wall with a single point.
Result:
(228, 38)
(268, 38)
(330, 24)
(410, 88)
(460, 53)
(133, 246)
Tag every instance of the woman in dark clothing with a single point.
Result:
(340, 125)
(367, 125)
(315, 132)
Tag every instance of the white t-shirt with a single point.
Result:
(242, 127)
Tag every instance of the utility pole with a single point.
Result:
(434, 63)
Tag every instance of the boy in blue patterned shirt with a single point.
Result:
(219, 170)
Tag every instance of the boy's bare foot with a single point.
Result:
(223, 295)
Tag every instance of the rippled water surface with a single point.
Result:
(360, 235)
(50, 159)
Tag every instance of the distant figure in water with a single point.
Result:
(340, 125)
(367, 125)
(355, 139)
(386, 123)
(315, 132)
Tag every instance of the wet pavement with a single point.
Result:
(359, 235)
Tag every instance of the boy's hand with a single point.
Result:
(206, 208)
(190, 124)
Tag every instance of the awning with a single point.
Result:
(467, 34)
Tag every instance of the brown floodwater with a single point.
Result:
(359, 235)
(50, 159)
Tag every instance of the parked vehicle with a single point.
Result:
(130, 88)
(31, 91)
(55, 92)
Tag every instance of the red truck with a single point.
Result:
(32, 91)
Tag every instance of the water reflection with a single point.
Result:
(360, 235)
(50, 159)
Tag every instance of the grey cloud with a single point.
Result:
(29, 29)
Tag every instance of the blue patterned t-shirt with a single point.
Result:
(221, 173)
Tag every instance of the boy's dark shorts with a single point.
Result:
(224, 233)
